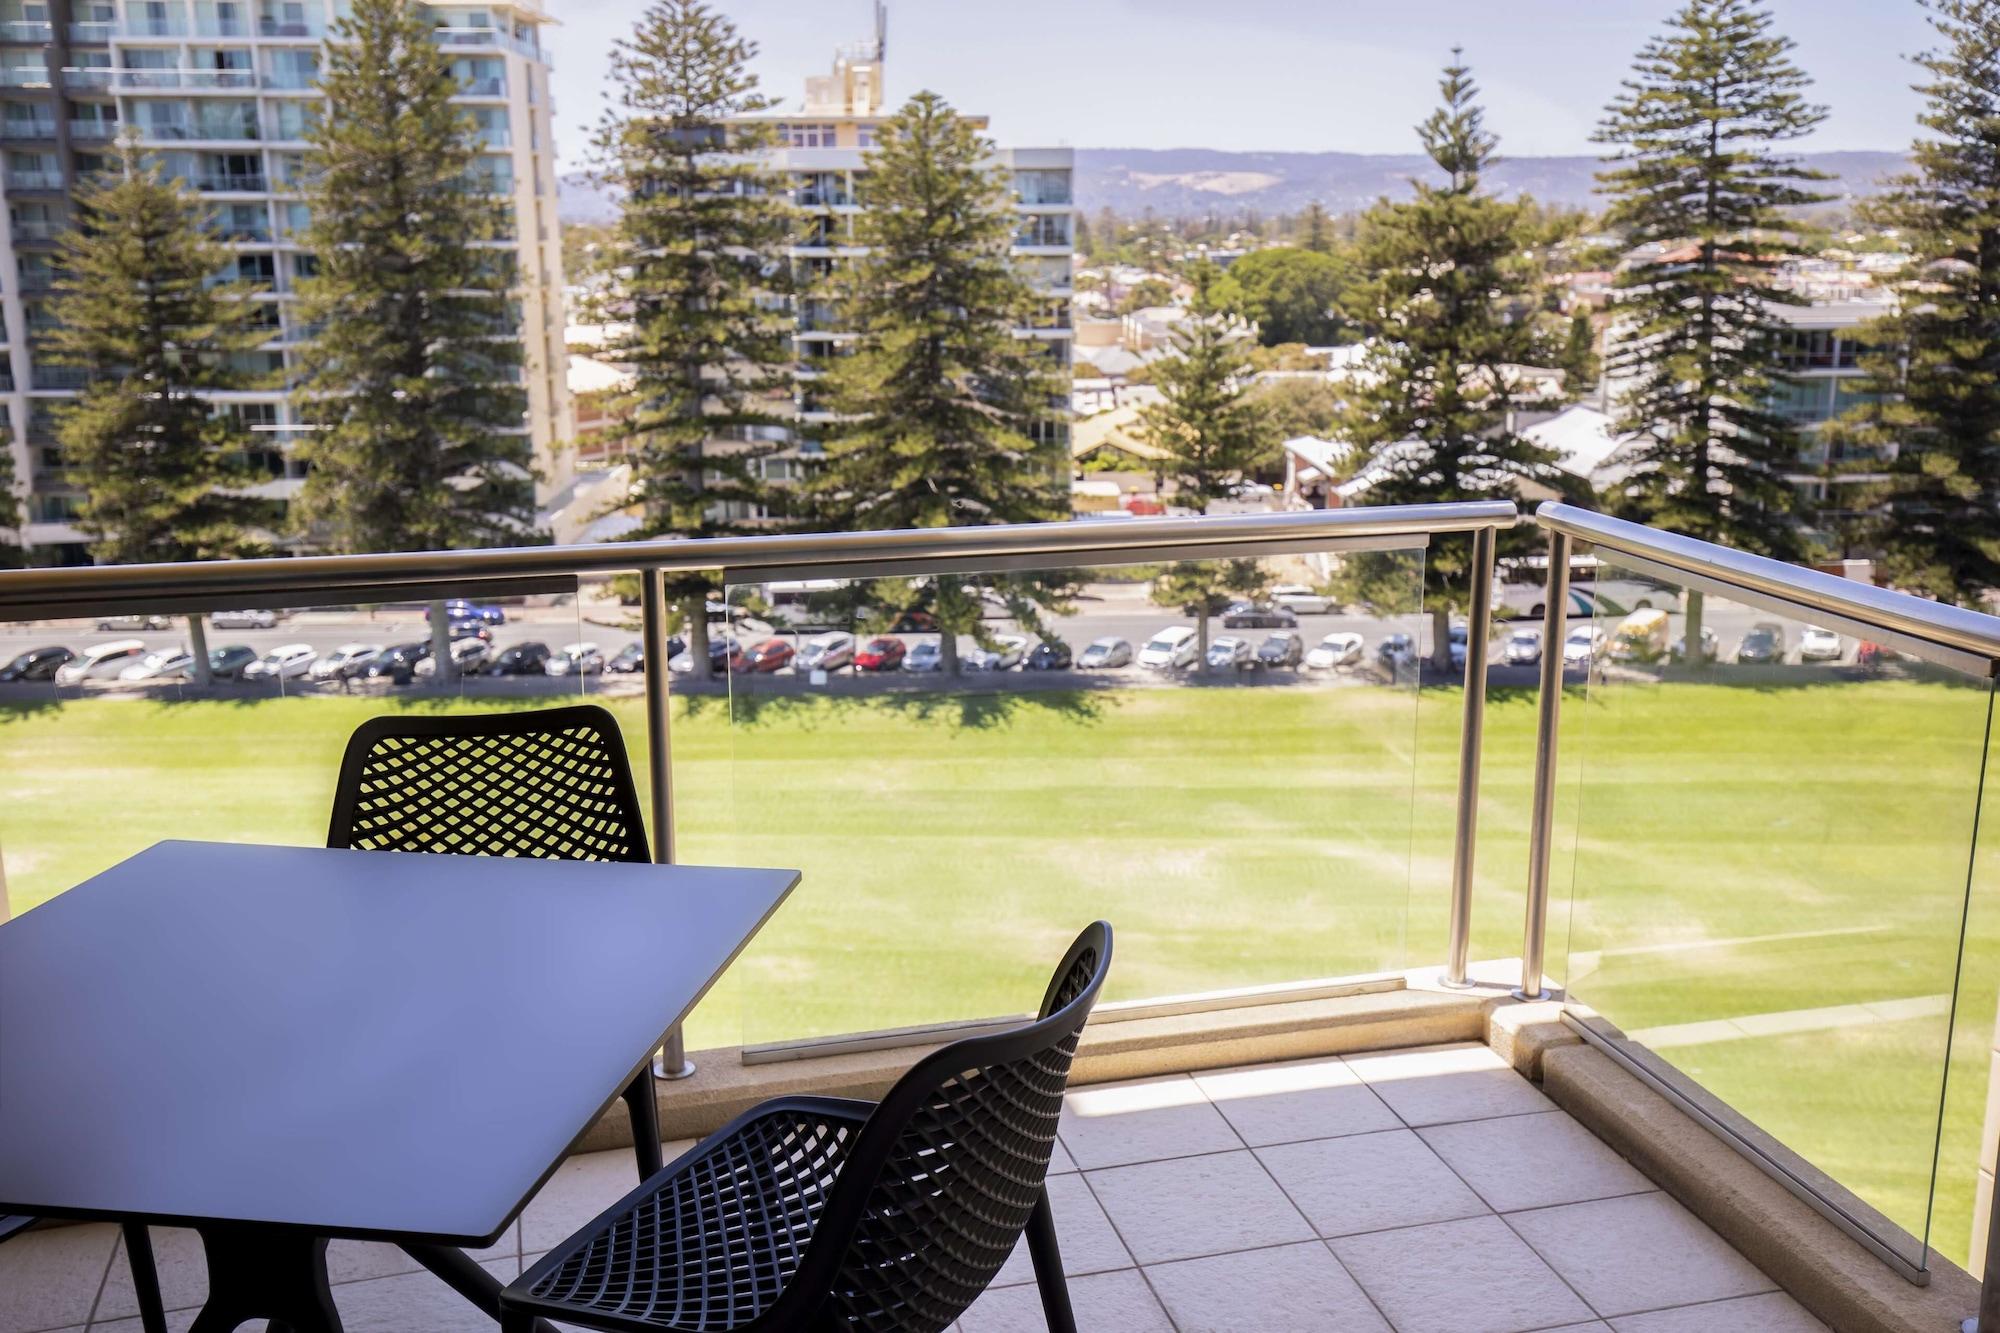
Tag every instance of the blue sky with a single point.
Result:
(1303, 75)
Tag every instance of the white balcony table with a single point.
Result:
(277, 1045)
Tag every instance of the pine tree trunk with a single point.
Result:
(1441, 637)
(1694, 658)
(947, 651)
(696, 615)
(441, 662)
(1201, 643)
(198, 650)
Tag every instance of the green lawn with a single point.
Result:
(1742, 851)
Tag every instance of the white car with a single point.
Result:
(1524, 648)
(466, 654)
(1297, 597)
(1584, 645)
(577, 659)
(105, 661)
(244, 619)
(1005, 654)
(1335, 650)
(1171, 649)
(164, 665)
(826, 652)
(1819, 645)
(285, 663)
(345, 660)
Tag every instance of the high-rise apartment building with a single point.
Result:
(821, 150)
(220, 93)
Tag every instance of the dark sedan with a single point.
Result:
(1283, 649)
(1259, 615)
(228, 662)
(632, 657)
(36, 664)
(523, 659)
(1049, 655)
(399, 663)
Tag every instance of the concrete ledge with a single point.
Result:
(1522, 1033)
(1823, 1269)
(724, 1087)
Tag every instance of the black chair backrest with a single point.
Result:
(940, 1182)
(552, 783)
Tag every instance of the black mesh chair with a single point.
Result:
(138, 1254)
(817, 1213)
(553, 783)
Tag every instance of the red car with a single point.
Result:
(770, 655)
(883, 654)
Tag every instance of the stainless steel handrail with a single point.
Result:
(305, 574)
(1937, 622)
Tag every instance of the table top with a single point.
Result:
(374, 1044)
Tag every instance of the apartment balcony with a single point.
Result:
(488, 39)
(24, 76)
(91, 34)
(20, 178)
(230, 183)
(24, 130)
(175, 80)
(92, 79)
(37, 34)
(94, 131)
(1457, 984)
(160, 27)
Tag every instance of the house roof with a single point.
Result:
(1117, 429)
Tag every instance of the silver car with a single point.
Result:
(1104, 654)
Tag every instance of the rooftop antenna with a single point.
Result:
(881, 31)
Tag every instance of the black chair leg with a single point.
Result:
(645, 1123)
(1047, 1255)
(145, 1277)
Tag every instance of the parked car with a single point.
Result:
(1455, 641)
(1764, 643)
(1259, 615)
(468, 656)
(1229, 651)
(1583, 646)
(398, 663)
(1819, 645)
(1283, 649)
(167, 664)
(228, 661)
(1396, 651)
(37, 664)
(1640, 637)
(576, 659)
(1171, 649)
(102, 661)
(1335, 650)
(826, 652)
(111, 624)
(1523, 648)
(880, 653)
(1103, 654)
(346, 662)
(724, 654)
(632, 657)
(926, 656)
(288, 662)
(766, 657)
(1049, 655)
(521, 659)
(458, 608)
(469, 627)
(915, 622)
(1301, 600)
(243, 618)
(1005, 654)
(1711, 646)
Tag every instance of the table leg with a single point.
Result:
(269, 1273)
(466, 1277)
(645, 1113)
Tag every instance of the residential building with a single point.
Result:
(221, 94)
(1822, 357)
(821, 150)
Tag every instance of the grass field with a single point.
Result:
(1738, 852)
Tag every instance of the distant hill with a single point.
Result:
(1179, 182)
(1194, 181)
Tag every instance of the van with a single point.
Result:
(104, 661)
(1640, 637)
(1171, 649)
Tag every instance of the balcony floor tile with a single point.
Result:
(1302, 1099)
(1533, 1161)
(1773, 1312)
(1471, 1276)
(51, 1278)
(1299, 1288)
(1104, 1303)
(1144, 1120)
(1642, 1252)
(1436, 1085)
(1088, 1242)
(1193, 1206)
(1369, 1182)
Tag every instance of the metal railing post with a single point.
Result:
(1988, 1318)
(672, 1061)
(1541, 829)
(1471, 739)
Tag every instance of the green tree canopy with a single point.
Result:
(413, 389)
(1292, 295)
(1931, 422)
(139, 306)
(1697, 174)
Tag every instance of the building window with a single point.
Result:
(812, 134)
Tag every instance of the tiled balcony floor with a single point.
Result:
(1421, 1191)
